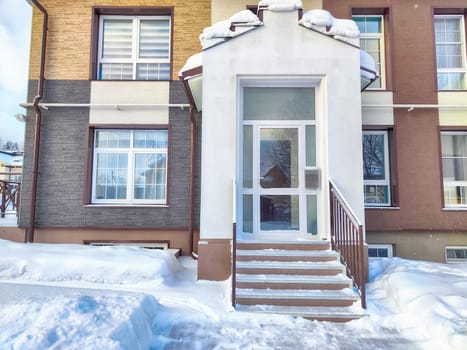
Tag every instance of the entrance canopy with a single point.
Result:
(321, 21)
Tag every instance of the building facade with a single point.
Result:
(124, 155)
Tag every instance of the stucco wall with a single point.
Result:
(281, 48)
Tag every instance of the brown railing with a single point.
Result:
(347, 239)
(9, 196)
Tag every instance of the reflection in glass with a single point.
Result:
(279, 158)
(279, 213)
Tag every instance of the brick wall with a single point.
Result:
(70, 26)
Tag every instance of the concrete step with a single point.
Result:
(288, 245)
(275, 281)
(285, 297)
(289, 267)
(321, 313)
(286, 255)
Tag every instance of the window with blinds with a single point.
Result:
(134, 48)
(450, 52)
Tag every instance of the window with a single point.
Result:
(130, 166)
(450, 52)
(372, 41)
(134, 48)
(456, 254)
(380, 251)
(454, 158)
(376, 178)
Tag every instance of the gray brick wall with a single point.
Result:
(62, 167)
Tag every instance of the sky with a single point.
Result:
(15, 33)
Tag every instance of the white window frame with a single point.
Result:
(134, 60)
(131, 151)
(382, 53)
(387, 180)
(388, 247)
(455, 260)
(452, 183)
(463, 69)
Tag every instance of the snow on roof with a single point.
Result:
(237, 24)
(192, 62)
(368, 64)
(281, 5)
(341, 29)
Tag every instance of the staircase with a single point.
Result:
(299, 278)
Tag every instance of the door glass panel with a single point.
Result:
(312, 215)
(247, 156)
(278, 158)
(248, 213)
(279, 213)
(310, 145)
(279, 103)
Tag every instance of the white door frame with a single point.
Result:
(320, 163)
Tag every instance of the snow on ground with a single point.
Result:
(81, 297)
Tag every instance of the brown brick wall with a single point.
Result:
(69, 35)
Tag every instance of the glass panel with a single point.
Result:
(247, 156)
(310, 145)
(116, 71)
(248, 213)
(278, 158)
(454, 145)
(149, 174)
(277, 103)
(154, 39)
(373, 157)
(279, 213)
(311, 215)
(117, 38)
(455, 169)
(455, 195)
(376, 194)
(153, 71)
(111, 175)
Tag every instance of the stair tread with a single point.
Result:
(295, 242)
(286, 252)
(353, 311)
(290, 264)
(279, 278)
(343, 294)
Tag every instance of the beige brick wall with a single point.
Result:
(69, 35)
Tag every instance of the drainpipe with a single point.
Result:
(37, 125)
(192, 177)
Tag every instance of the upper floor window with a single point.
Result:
(376, 177)
(130, 166)
(450, 52)
(134, 48)
(372, 41)
(454, 158)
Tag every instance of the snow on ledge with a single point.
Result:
(341, 29)
(368, 66)
(192, 62)
(281, 5)
(240, 22)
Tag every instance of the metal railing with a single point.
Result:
(9, 197)
(347, 239)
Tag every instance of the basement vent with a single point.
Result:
(456, 254)
(147, 245)
(380, 251)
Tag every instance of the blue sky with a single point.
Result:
(15, 32)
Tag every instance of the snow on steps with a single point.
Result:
(301, 278)
(320, 313)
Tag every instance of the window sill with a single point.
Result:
(106, 205)
(382, 208)
(454, 209)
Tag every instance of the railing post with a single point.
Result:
(4, 188)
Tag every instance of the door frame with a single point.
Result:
(321, 147)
